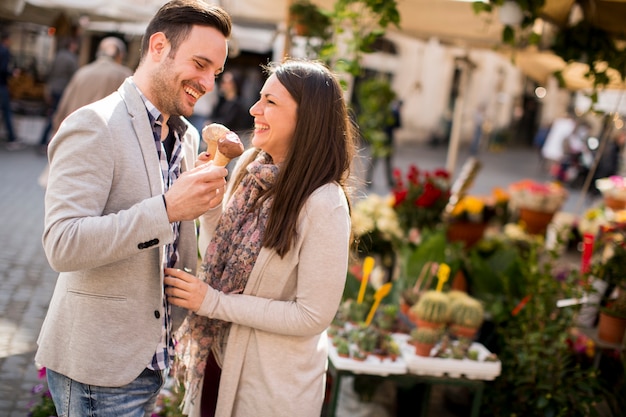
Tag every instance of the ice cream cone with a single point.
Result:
(220, 159)
(211, 135)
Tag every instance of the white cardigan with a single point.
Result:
(276, 357)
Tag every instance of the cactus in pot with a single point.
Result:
(431, 310)
(424, 339)
(343, 348)
(466, 316)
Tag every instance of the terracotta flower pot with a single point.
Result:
(611, 329)
(423, 323)
(463, 331)
(536, 222)
(422, 349)
(614, 204)
(466, 232)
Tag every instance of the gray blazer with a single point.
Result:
(105, 227)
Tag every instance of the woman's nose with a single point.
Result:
(255, 109)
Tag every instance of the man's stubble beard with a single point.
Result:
(165, 89)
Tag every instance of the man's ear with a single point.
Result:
(159, 46)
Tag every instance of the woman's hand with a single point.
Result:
(203, 158)
(184, 290)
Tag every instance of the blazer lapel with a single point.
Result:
(143, 132)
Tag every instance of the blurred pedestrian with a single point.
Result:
(479, 122)
(63, 68)
(82, 89)
(201, 112)
(390, 128)
(230, 110)
(6, 72)
(121, 203)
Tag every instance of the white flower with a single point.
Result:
(375, 213)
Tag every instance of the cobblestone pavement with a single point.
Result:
(27, 281)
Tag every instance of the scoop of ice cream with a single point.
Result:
(230, 145)
(214, 131)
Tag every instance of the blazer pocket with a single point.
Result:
(104, 297)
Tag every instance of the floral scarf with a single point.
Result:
(228, 261)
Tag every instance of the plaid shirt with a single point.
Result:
(170, 172)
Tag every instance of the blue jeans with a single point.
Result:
(5, 104)
(137, 399)
(55, 100)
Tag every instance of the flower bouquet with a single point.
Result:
(470, 217)
(613, 191)
(375, 224)
(536, 203)
(420, 198)
(468, 220)
(377, 231)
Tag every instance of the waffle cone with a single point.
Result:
(211, 149)
(220, 159)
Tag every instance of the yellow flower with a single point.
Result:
(469, 208)
(500, 194)
(473, 205)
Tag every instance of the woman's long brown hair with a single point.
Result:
(321, 151)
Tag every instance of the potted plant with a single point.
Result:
(609, 268)
(391, 347)
(359, 355)
(420, 197)
(466, 316)
(468, 220)
(432, 310)
(374, 97)
(386, 318)
(612, 321)
(343, 348)
(366, 339)
(613, 191)
(536, 203)
(309, 20)
(424, 339)
(357, 311)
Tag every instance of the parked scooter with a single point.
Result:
(578, 155)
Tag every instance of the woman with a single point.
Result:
(277, 261)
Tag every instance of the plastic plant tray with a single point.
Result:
(372, 365)
(453, 368)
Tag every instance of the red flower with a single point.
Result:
(399, 196)
(429, 197)
(420, 197)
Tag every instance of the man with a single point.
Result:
(95, 80)
(5, 97)
(63, 68)
(82, 90)
(117, 212)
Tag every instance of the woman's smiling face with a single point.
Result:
(275, 117)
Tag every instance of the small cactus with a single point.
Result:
(425, 335)
(467, 311)
(367, 339)
(433, 306)
(343, 348)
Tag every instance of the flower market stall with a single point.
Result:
(529, 276)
